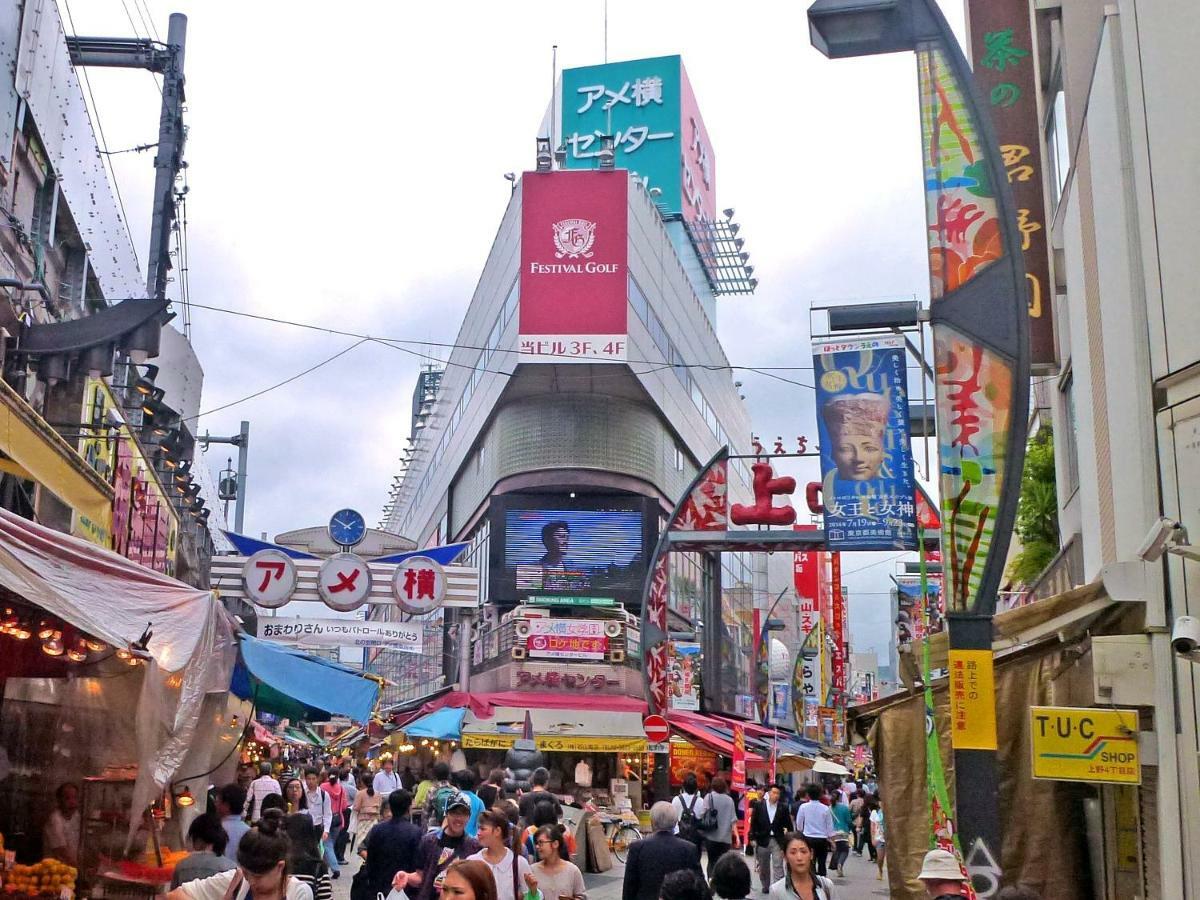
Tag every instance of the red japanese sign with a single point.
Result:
(581, 680)
(574, 266)
(739, 759)
(1005, 70)
(766, 487)
(698, 190)
(562, 647)
(419, 585)
(837, 623)
(806, 567)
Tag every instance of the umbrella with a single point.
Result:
(829, 767)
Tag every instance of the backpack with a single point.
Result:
(689, 826)
(436, 805)
(708, 821)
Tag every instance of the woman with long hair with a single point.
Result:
(800, 880)
(293, 793)
(304, 858)
(262, 869)
(366, 809)
(558, 878)
(513, 874)
(469, 879)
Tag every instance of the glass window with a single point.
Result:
(510, 302)
(1057, 145)
(1070, 438)
(638, 301)
(657, 333)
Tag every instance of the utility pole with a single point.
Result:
(241, 440)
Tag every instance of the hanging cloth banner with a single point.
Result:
(866, 461)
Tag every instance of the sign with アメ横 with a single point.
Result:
(269, 577)
(866, 462)
(344, 582)
(419, 585)
(1094, 745)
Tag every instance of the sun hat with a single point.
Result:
(941, 865)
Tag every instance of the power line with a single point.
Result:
(877, 563)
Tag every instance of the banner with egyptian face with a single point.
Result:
(866, 459)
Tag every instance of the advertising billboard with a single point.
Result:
(574, 293)
(547, 545)
(683, 675)
(911, 611)
(649, 109)
(866, 462)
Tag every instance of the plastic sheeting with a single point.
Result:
(114, 599)
(284, 681)
(443, 725)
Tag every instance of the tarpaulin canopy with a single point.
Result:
(191, 648)
(709, 732)
(443, 725)
(290, 683)
(483, 704)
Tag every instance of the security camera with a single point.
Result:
(1163, 533)
(1185, 637)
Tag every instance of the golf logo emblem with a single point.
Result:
(573, 238)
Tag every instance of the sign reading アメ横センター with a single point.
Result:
(574, 275)
(648, 108)
(866, 463)
(401, 636)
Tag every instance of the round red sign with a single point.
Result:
(656, 728)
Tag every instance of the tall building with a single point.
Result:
(96, 441)
(586, 388)
(1118, 144)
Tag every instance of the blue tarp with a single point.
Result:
(272, 674)
(444, 725)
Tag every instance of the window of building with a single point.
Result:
(1069, 440)
(1058, 148)
(638, 301)
(510, 302)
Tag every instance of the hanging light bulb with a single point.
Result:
(23, 632)
(95, 646)
(52, 647)
(78, 653)
(124, 654)
(45, 630)
(185, 798)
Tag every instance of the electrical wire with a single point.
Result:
(876, 563)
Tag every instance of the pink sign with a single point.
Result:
(698, 190)
(560, 647)
(574, 265)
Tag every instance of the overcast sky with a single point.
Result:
(346, 169)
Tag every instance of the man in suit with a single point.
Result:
(651, 860)
(770, 821)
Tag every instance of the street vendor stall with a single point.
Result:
(115, 678)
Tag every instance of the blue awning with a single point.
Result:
(291, 683)
(443, 725)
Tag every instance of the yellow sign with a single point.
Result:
(1098, 745)
(562, 743)
(972, 700)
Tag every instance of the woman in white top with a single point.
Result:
(262, 869)
(557, 878)
(513, 874)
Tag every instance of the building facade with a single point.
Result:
(1119, 147)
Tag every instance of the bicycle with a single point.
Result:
(621, 833)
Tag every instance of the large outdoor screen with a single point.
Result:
(551, 546)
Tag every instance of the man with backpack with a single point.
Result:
(438, 796)
(690, 808)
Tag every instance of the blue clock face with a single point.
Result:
(347, 527)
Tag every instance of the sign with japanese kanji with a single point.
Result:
(1001, 47)
(574, 295)
(972, 700)
(400, 636)
(806, 565)
(344, 582)
(579, 679)
(1095, 745)
(269, 577)
(738, 782)
(566, 647)
(866, 462)
(419, 585)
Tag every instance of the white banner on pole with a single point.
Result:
(402, 636)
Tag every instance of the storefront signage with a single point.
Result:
(344, 582)
(543, 600)
(399, 636)
(550, 646)
(972, 700)
(687, 757)
(574, 279)
(566, 627)
(419, 585)
(557, 743)
(583, 679)
(806, 566)
(867, 483)
(269, 578)
(683, 675)
(739, 759)
(1094, 745)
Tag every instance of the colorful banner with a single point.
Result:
(559, 647)
(866, 462)
(917, 618)
(838, 630)
(738, 782)
(685, 757)
(683, 675)
(574, 272)
(1001, 46)
(781, 703)
(806, 567)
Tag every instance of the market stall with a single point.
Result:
(115, 680)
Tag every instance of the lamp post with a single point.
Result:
(241, 440)
(979, 319)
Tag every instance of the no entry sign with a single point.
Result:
(656, 728)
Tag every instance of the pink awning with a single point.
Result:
(482, 705)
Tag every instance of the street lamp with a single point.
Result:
(980, 326)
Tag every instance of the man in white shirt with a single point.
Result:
(385, 781)
(320, 809)
(815, 822)
(263, 786)
(60, 838)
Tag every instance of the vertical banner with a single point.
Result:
(972, 700)
(837, 623)
(739, 759)
(574, 273)
(806, 580)
(866, 461)
(1001, 46)
(918, 616)
(683, 675)
(781, 703)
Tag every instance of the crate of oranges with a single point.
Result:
(47, 877)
